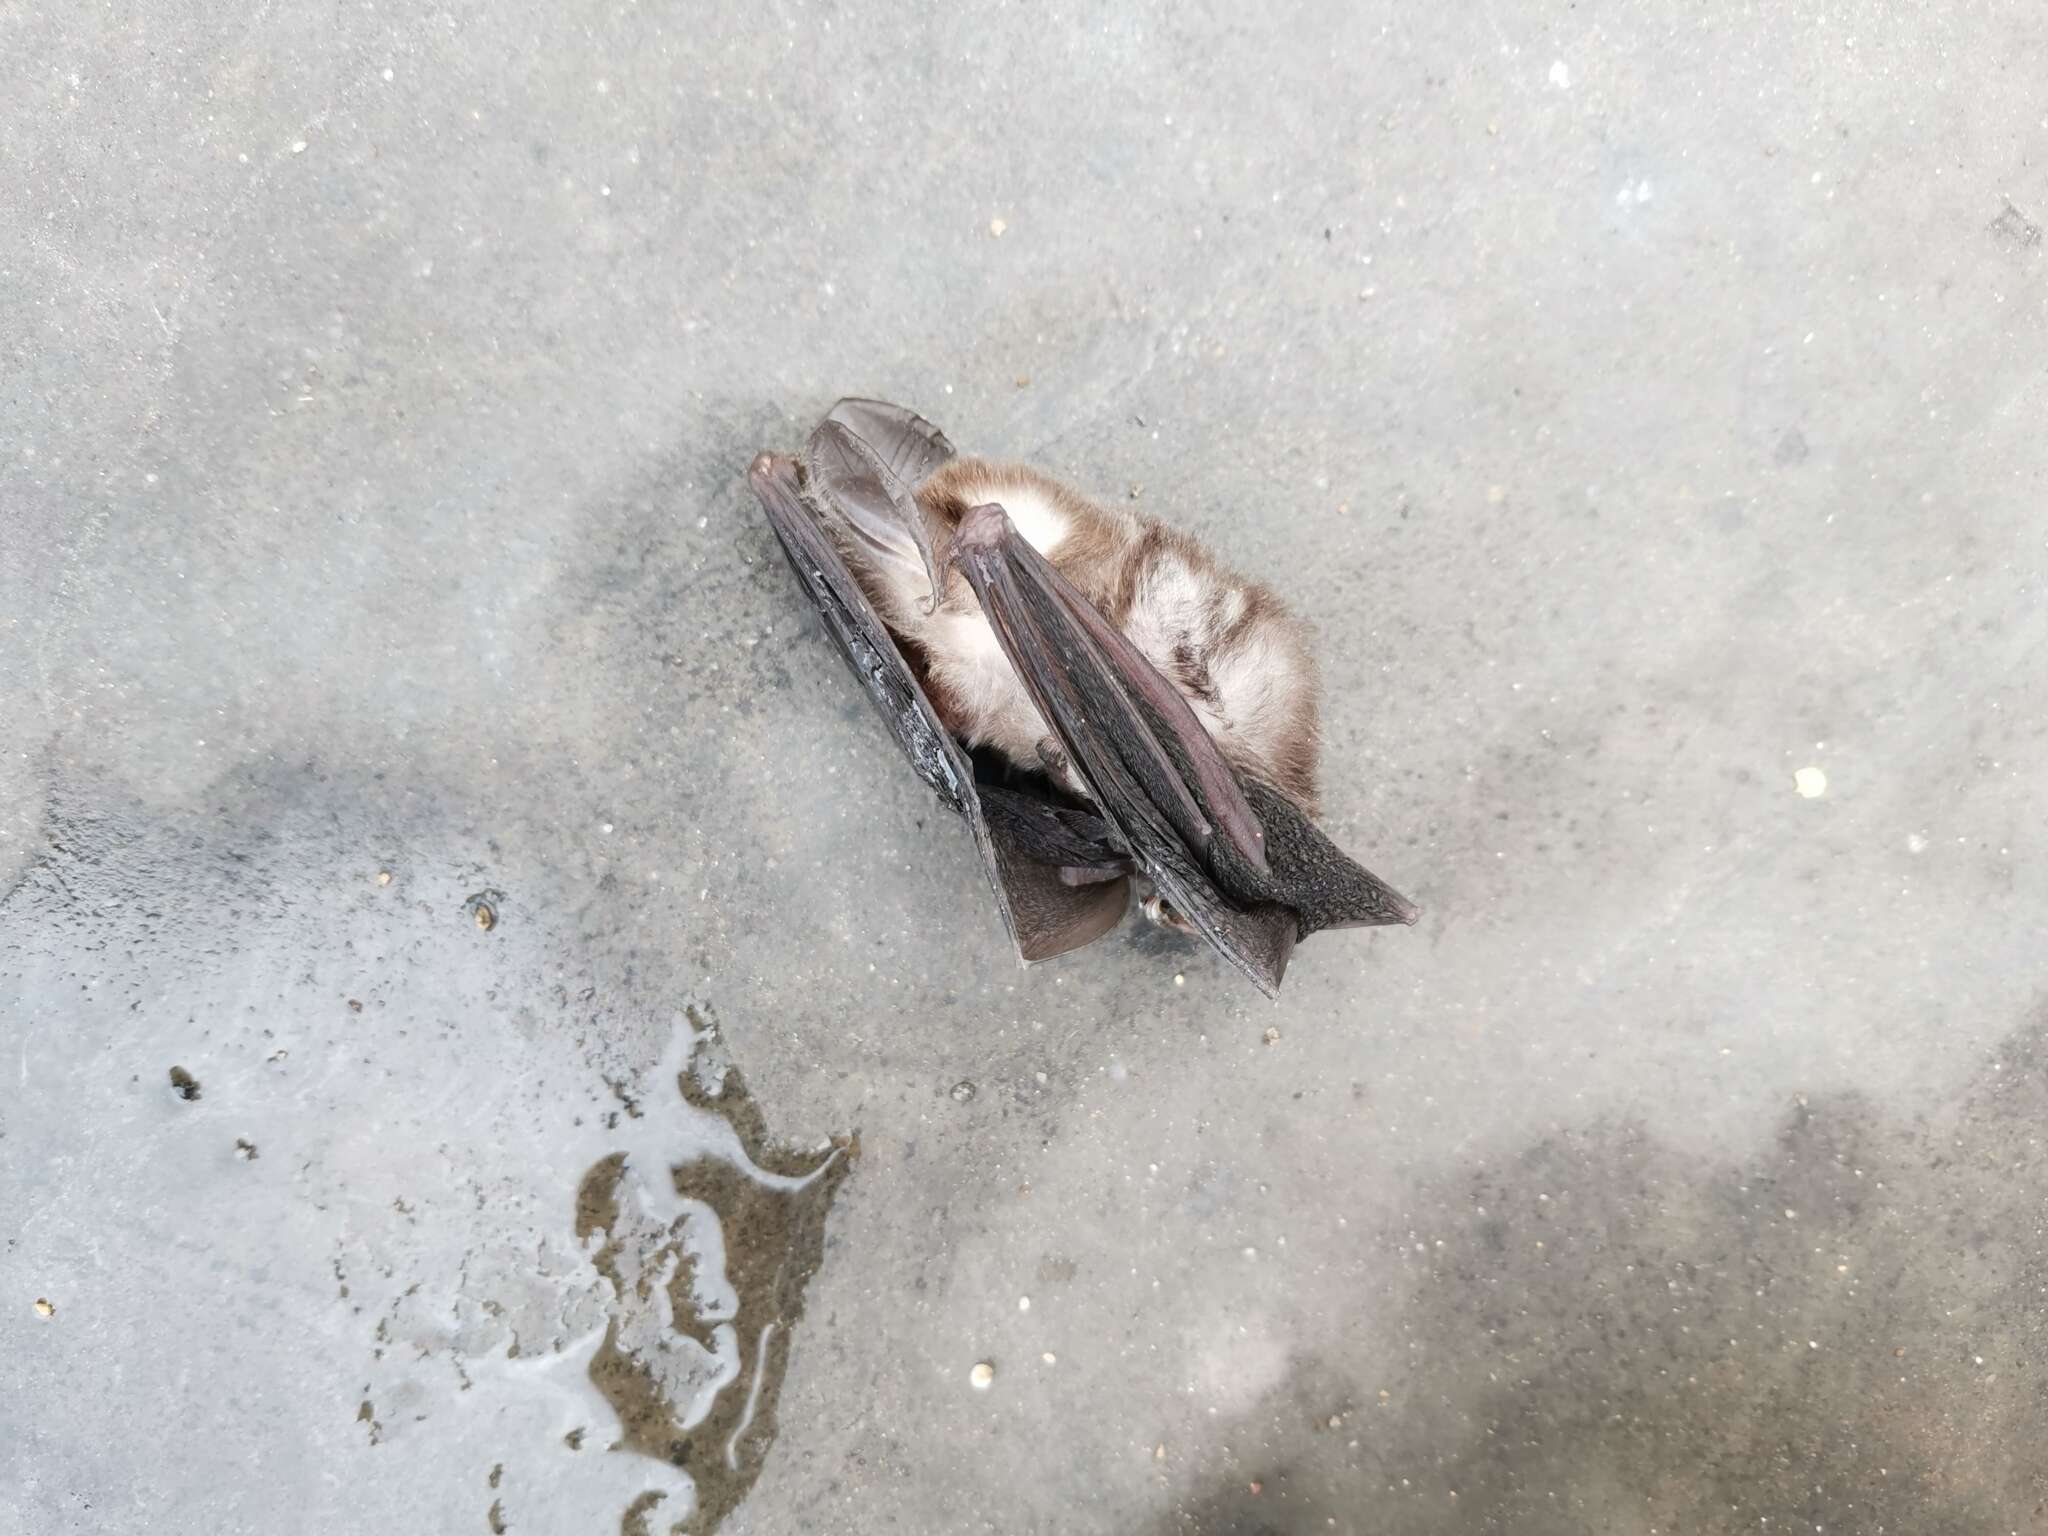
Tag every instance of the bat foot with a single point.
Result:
(1161, 914)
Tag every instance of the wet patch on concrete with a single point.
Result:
(707, 1258)
(1848, 1332)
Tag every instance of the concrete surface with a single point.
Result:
(1646, 403)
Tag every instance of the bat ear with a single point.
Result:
(848, 477)
(907, 445)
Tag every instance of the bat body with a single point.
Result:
(1227, 645)
(1150, 714)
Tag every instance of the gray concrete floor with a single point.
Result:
(1644, 401)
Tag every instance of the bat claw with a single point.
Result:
(985, 527)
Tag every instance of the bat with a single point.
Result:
(1106, 706)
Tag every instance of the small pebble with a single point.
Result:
(1811, 783)
(996, 227)
(45, 1307)
(486, 916)
(963, 1092)
(1159, 1451)
(1049, 1357)
(298, 146)
(383, 877)
(982, 1377)
(1023, 1303)
(1272, 1036)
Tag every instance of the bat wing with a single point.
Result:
(1025, 841)
(1238, 859)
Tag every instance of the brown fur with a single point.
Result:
(1230, 646)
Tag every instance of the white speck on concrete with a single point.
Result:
(1811, 783)
(1560, 75)
(1915, 843)
(298, 146)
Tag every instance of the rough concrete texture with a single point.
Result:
(1645, 402)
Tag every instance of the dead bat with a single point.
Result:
(1098, 697)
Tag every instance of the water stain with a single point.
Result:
(707, 1259)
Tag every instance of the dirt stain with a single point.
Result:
(1848, 1331)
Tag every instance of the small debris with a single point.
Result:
(1023, 1303)
(383, 877)
(1023, 381)
(1159, 1451)
(1561, 75)
(1179, 980)
(982, 1377)
(1137, 490)
(245, 1149)
(1336, 1421)
(1256, 1487)
(45, 1307)
(996, 226)
(184, 1084)
(1049, 1358)
(1811, 783)
(2015, 229)
(963, 1092)
(355, 1005)
(298, 146)
(1271, 1036)
(483, 907)
(573, 1439)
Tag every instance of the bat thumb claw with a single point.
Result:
(982, 528)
